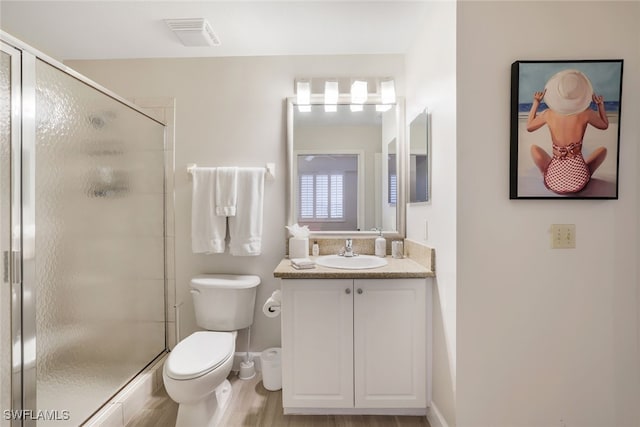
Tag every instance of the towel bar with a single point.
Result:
(270, 170)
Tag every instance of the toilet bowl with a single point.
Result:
(195, 377)
(195, 373)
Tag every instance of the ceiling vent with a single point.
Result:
(193, 32)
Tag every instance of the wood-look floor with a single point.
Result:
(254, 406)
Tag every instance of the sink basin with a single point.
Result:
(360, 262)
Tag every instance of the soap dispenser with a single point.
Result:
(381, 245)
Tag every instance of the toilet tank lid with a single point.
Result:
(225, 281)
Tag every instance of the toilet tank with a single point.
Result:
(224, 302)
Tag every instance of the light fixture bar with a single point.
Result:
(361, 91)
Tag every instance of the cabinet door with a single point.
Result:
(317, 343)
(390, 343)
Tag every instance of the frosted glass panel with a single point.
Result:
(5, 224)
(99, 254)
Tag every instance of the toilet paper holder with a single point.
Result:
(272, 305)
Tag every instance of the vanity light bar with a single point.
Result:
(329, 89)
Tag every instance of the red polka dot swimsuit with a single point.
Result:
(567, 172)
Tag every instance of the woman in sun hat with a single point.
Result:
(568, 94)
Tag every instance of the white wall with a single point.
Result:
(231, 111)
(430, 79)
(546, 337)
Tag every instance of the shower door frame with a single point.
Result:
(12, 257)
(22, 273)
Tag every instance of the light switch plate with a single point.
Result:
(563, 236)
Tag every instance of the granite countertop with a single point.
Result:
(397, 268)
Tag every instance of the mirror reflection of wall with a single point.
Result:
(419, 158)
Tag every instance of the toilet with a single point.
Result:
(195, 373)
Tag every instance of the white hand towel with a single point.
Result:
(226, 191)
(302, 263)
(245, 229)
(207, 229)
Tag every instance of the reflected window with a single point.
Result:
(327, 185)
(392, 184)
(321, 196)
(393, 189)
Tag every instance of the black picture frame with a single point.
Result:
(573, 167)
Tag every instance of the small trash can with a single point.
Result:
(271, 368)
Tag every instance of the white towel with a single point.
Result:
(207, 229)
(245, 229)
(302, 263)
(226, 191)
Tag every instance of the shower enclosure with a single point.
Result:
(82, 298)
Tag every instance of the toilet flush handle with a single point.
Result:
(195, 291)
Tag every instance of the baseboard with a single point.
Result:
(435, 418)
(240, 356)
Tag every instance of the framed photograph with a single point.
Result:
(565, 129)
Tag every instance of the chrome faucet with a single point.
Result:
(348, 248)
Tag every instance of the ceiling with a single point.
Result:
(85, 29)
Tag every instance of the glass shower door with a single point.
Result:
(82, 271)
(98, 259)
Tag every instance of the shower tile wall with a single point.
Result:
(163, 109)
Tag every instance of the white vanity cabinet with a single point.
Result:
(354, 345)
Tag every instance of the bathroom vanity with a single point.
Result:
(356, 341)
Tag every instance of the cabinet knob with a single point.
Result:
(347, 291)
(360, 290)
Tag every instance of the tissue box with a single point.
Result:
(298, 247)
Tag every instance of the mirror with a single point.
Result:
(345, 169)
(419, 160)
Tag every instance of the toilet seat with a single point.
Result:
(198, 354)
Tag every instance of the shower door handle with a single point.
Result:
(11, 259)
(17, 266)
